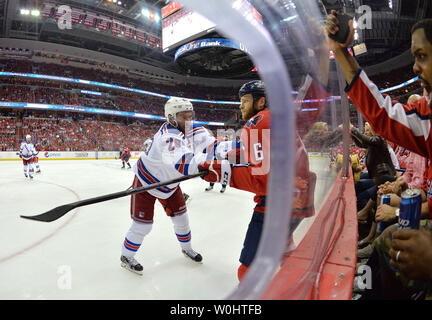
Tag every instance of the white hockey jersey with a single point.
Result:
(27, 150)
(172, 155)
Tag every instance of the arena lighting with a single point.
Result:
(25, 12)
(400, 85)
(107, 85)
(91, 92)
(146, 13)
(6, 104)
(35, 13)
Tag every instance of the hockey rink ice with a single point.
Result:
(78, 256)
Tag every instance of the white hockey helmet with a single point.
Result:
(28, 137)
(175, 105)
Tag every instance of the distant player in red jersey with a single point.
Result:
(124, 156)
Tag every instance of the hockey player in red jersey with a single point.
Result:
(253, 176)
(255, 139)
(125, 156)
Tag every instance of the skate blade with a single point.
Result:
(126, 266)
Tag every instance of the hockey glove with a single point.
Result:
(218, 171)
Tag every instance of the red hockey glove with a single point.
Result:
(218, 171)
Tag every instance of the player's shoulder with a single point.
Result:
(259, 121)
(197, 129)
(197, 125)
(169, 136)
(167, 130)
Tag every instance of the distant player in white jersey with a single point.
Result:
(147, 144)
(35, 162)
(175, 151)
(27, 151)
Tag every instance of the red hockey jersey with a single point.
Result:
(255, 139)
(126, 152)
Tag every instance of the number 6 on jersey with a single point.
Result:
(259, 153)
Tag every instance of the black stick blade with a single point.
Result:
(60, 211)
(53, 214)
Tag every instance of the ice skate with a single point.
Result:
(195, 256)
(26, 175)
(222, 190)
(31, 177)
(38, 171)
(209, 188)
(131, 264)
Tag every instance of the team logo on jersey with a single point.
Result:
(254, 121)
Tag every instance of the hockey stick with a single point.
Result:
(60, 211)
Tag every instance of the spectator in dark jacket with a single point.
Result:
(378, 160)
(380, 169)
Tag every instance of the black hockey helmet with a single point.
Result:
(255, 87)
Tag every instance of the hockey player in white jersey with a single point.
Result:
(176, 150)
(27, 151)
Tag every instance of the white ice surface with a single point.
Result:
(78, 256)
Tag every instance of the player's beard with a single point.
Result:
(248, 114)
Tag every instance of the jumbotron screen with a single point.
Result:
(180, 25)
